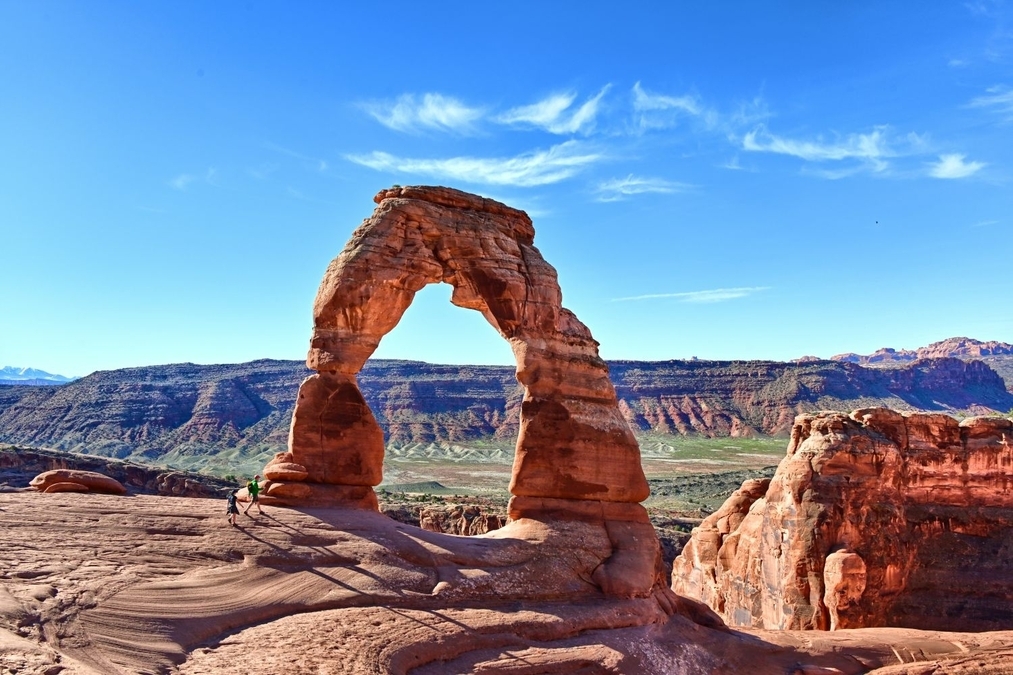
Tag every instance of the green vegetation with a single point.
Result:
(665, 455)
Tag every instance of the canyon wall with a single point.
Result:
(220, 416)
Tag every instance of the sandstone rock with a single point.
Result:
(576, 458)
(177, 590)
(285, 471)
(291, 490)
(844, 579)
(92, 481)
(466, 520)
(66, 487)
(923, 502)
(574, 443)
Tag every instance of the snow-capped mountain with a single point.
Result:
(16, 375)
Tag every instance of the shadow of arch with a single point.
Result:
(573, 444)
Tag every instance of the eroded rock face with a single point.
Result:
(467, 520)
(574, 443)
(874, 519)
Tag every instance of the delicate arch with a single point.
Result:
(573, 444)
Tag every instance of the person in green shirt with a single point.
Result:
(253, 487)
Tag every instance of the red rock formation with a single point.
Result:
(573, 444)
(918, 504)
(89, 480)
(576, 457)
(467, 520)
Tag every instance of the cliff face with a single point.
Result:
(190, 415)
(877, 519)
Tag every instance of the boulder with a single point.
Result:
(285, 471)
(66, 487)
(92, 481)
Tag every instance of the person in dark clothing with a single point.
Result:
(232, 507)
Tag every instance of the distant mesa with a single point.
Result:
(957, 347)
(234, 418)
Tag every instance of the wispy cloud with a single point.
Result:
(660, 111)
(541, 167)
(954, 166)
(985, 223)
(434, 112)
(642, 100)
(620, 188)
(554, 113)
(998, 99)
(873, 149)
(708, 296)
(184, 180)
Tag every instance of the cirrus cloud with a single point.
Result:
(554, 115)
(998, 99)
(541, 167)
(700, 297)
(433, 111)
(617, 189)
(872, 149)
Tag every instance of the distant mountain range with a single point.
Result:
(222, 416)
(30, 376)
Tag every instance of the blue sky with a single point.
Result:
(721, 180)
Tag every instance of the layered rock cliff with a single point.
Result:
(872, 519)
(222, 415)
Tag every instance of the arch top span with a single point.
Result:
(573, 444)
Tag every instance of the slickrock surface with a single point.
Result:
(97, 584)
(877, 519)
(573, 443)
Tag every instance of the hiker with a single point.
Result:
(253, 487)
(232, 507)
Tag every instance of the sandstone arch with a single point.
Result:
(575, 452)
